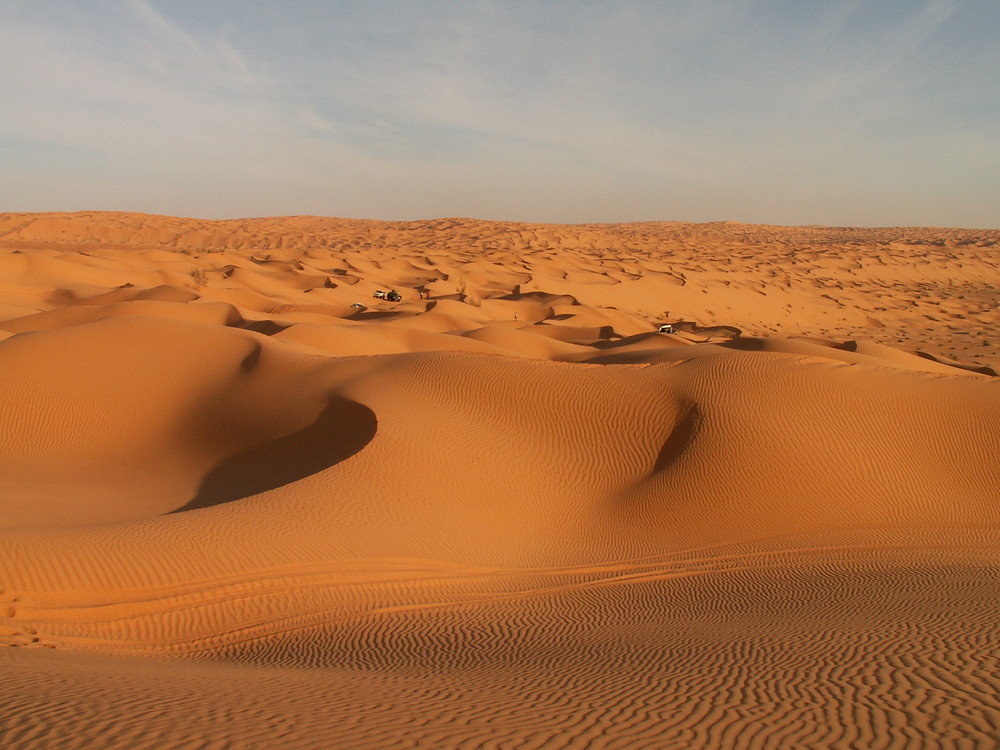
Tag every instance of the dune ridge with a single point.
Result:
(929, 287)
(244, 502)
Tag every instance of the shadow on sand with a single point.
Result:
(342, 429)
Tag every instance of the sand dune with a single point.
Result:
(245, 503)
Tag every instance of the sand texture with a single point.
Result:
(244, 503)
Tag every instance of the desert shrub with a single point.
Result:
(199, 277)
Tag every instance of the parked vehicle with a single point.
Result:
(390, 296)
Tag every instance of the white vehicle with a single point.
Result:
(391, 296)
(665, 328)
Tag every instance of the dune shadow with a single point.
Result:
(342, 429)
(680, 437)
(980, 369)
(747, 344)
(607, 342)
(374, 314)
(265, 327)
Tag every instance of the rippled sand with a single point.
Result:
(245, 503)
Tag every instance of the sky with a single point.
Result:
(835, 112)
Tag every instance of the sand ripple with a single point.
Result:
(243, 503)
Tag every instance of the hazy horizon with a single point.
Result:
(769, 112)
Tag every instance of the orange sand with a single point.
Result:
(504, 511)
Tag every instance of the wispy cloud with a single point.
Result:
(877, 62)
(559, 110)
(133, 91)
(173, 50)
(128, 84)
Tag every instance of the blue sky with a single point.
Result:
(844, 112)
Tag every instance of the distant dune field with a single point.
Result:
(245, 503)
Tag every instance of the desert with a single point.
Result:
(245, 501)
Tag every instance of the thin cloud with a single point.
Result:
(168, 47)
(546, 111)
(903, 40)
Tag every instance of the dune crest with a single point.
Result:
(244, 501)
